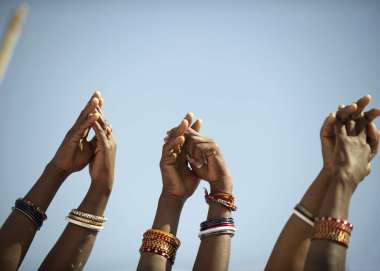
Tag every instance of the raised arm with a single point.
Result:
(19, 229)
(75, 244)
(179, 182)
(206, 158)
(293, 244)
(356, 143)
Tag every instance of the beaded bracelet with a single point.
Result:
(161, 243)
(332, 229)
(86, 220)
(224, 199)
(31, 211)
(92, 217)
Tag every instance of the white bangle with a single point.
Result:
(216, 229)
(84, 225)
(304, 218)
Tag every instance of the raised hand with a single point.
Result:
(207, 161)
(178, 180)
(103, 163)
(75, 152)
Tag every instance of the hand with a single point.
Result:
(356, 142)
(75, 152)
(207, 161)
(347, 114)
(102, 166)
(179, 181)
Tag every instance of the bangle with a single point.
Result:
(161, 243)
(302, 217)
(84, 225)
(216, 222)
(219, 230)
(332, 229)
(92, 217)
(217, 226)
(224, 199)
(84, 220)
(31, 211)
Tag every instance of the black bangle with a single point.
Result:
(305, 212)
(30, 211)
(216, 221)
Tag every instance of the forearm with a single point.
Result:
(166, 219)
(18, 231)
(291, 248)
(75, 244)
(214, 251)
(324, 254)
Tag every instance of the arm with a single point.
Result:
(18, 231)
(353, 152)
(207, 160)
(179, 183)
(75, 244)
(292, 245)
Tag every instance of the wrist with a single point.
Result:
(171, 200)
(223, 185)
(100, 189)
(55, 172)
(345, 179)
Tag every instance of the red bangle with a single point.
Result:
(224, 199)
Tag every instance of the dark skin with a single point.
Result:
(179, 183)
(75, 244)
(207, 160)
(355, 144)
(74, 154)
(293, 244)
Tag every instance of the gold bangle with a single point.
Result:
(84, 220)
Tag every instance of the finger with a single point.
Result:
(194, 155)
(181, 128)
(189, 117)
(344, 113)
(194, 139)
(98, 94)
(197, 125)
(350, 126)
(340, 129)
(80, 131)
(102, 120)
(373, 139)
(89, 108)
(369, 116)
(169, 149)
(361, 103)
(372, 114)
(100, 133)
(327, 129)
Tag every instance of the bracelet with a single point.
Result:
(224, 199)
(95, 218)
(222, 232)
(84, 220)
(304, 214)
(332, 229)
(84, 225)
(216, 222)
(217, 226)
(219, 230)
(31, 211)
(161, 243)
(303, 217)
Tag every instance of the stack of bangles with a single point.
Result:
(333, 229)
(223, 199)
(85, 220)
(217, 226)
(161, 243)
(31, 211)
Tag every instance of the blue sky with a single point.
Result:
(261, 74)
